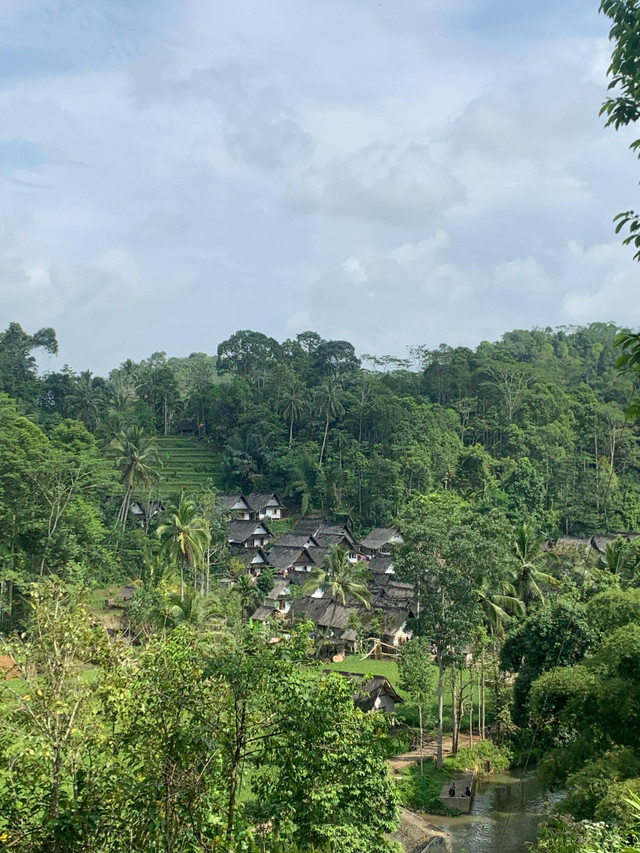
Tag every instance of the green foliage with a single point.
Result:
(485, 755)
(150, 752)
(421, 791)
(623, 108)
(557, 634)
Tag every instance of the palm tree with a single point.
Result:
(185, 537)
(498, 601)
(84, 401)
(614, 559)
(136, 456)
(292, 406)
(192, 609)
(530, 576)
(329, 396)
(341, 577)
(130, 371)
(123, 396)
(248, 594)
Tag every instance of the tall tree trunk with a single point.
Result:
(471, 710)
(482, 698)
(324, 440)
(440, 707)
(421, 740)
(235, 767)
(454, 711)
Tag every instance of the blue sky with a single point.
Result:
(390, 172)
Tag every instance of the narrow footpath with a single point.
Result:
(399, 762)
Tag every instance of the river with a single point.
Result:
(506, 812)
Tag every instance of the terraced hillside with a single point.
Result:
(187, 465)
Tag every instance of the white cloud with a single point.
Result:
(397, 185)
(394, 173)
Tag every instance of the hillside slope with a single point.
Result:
(187, 465)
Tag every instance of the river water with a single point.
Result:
(506, 812)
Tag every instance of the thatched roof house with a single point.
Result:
(373, 694)
(249, 534)
(380, 539)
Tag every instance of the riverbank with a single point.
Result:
(421, 791)
(507, 810)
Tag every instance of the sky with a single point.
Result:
(392, 172)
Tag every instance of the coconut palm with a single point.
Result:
(614, 558)
(530, 574)
(329, 398)
(136, 457)
(185, 537)
(200, 612)
(292, 406)
(341, 577)
(498, 601)
(130, 372)
(84, 400)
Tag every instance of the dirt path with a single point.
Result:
(399, 762)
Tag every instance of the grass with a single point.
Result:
(408, 712)
(421, 792)
(187, 465)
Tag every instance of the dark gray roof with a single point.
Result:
(315, 526)
(280, 589)
(380, 563)
(318, 555)
(229, 500)
(327, 540)
(394, 620)
(370, 689)
(323, 612)
(246, 556)
(263, 613)
(379, 537)
(240, 530)
(281, 557)
(297, 540)
(259, 500)
(309, 525)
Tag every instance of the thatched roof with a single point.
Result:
(379, 537)
(368, 691)
(297, 540)
(263, 613)
(230, 500)
(282, 557)
(240, 530)
(260, 500)
(280, 589)
(246, 556)
(329, 540)
(321, 526)
(323, 612)
(309, 525)
(318, 555)
(380, 564)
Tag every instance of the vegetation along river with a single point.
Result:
(505, 815)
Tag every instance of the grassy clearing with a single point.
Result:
(408, 712)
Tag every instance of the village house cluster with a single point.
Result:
(297, 553)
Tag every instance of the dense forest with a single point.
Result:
(534, 424)
(481, 457)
